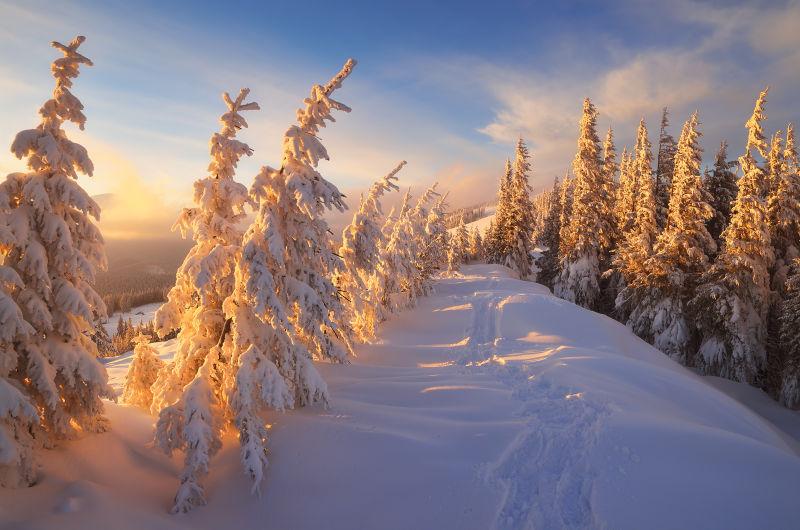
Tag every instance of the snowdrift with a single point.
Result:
(492, 404)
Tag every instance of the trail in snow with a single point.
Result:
(491, 404)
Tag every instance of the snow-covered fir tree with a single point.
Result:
(475, 251)
(142, 373)
(549, 262)
(284, 311)
(732, 302)
(680, 256)
(395, 273)
(459, 241)
(51, 383)
(665, 167)
(625, 203)
(186, 394)
(517, 224)
(591, 223)
(783, 206)
(566, 200)
(423, 270)
(499, 234)
(721, 186)
(359, 251)
(790, 341)
(608, 198)
(433, 253)
(636, 245)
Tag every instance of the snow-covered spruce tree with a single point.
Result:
(51, 383)
(284, 311)
(186, 394)
(783, 207)
(359, 251)
(521, 219)
(665, 167)
(475, 251)
(625, 204)
(680, 256)
(636, 245)
(733, 299)
(548, 263)
(591, 223)
(721, 186)
(142, 373)
(607, 211)
(459, 241)
(499, 235)
(433, 253)
(566, 200)
(416, 230)
(790, 341)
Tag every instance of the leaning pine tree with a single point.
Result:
(732, 303)
(680, 256)
(51, 383)
(590, 226)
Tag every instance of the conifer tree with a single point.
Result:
(680, 256)
(591, 222)
(790, 341)
(361, 240)
(732, 302)
(459, 241)
(475, 245)
(566, 200)
(521, 216)
(498, 236)
(783, 206)
(608, 197)
(142, 373)
(548, 264)
(665, 167)
(637, 243)
(284, 311)
(186, 393)
(51, 383)
(625, 204)
(722, 187)
(434, 245)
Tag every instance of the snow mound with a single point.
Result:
(492, 404)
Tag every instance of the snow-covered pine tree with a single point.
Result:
(416, 232)
(499, 235)
(359, 251)
(284, 311)
(459, 241)
(475, 245)
(566, 200)
(732, 302)
(591, 223)
(680, 256)
(548, 264)
(790, 341)
(637, 243)
(783, 206)
(142, 373)
(608, 199)
(186, 394)
(434, 246)
(665, 167)
(625, 204)
(519, 242)
(721, 186)
(51, 383)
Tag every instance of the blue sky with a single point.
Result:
(447, 86)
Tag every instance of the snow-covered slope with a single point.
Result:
(492, 404)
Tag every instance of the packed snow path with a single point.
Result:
(492, 404)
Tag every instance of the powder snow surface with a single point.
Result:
(492, 404)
